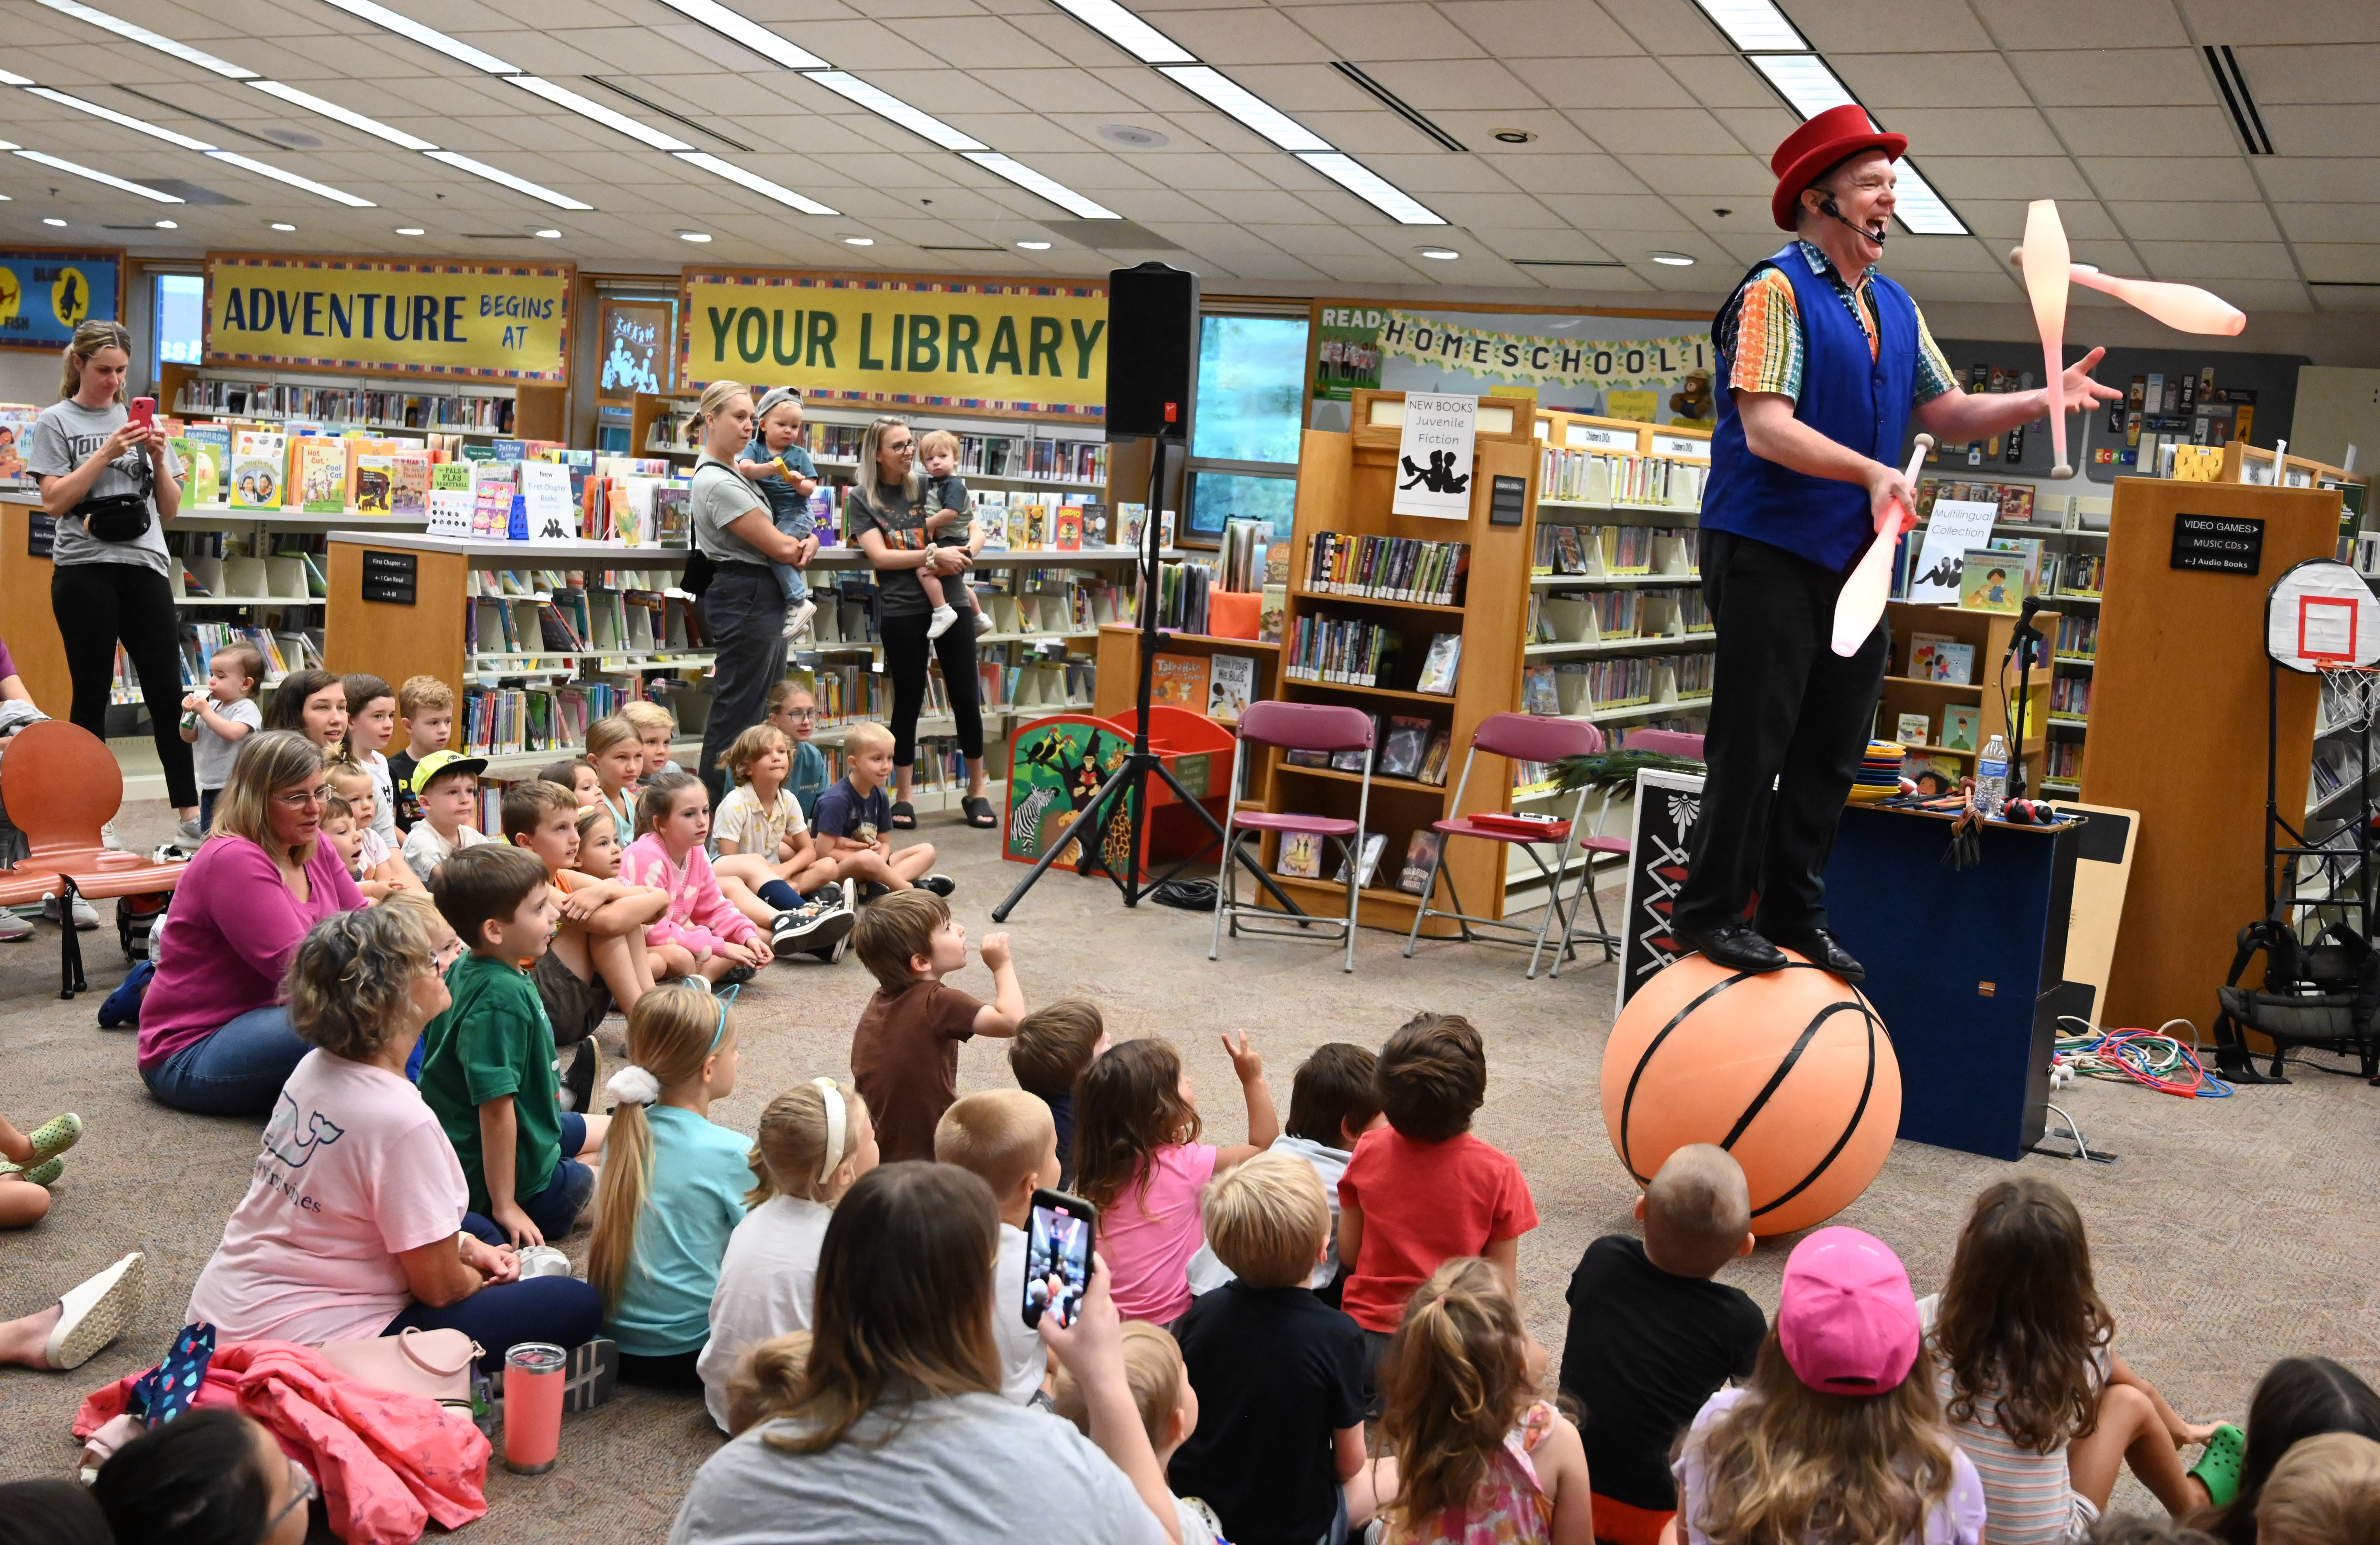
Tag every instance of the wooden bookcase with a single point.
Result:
(1989, 634)
(540, 410)
(1346, 483)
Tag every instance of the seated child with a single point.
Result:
(1053, 1045)
(905, 1053)
(2325, 1490)
(1422, 1190)
(577, 775)
(601, 844)
(793, 712)
(447, 787)
(1161, 1392)
(597, 957)
(619, 763)
(1839, 1435)
(814, 1140)
(379, 872)
(654, 728)
(1279, 1373)
(2298, 1398)
(768, 868)
(700, 935)
(345, 836)
(782, 471)
(30, 1164)
(673, 1189)
(488, 1071)
(425, 707)
(1331, 1104)
(1651, 1335)
(1479, 1455)
(855, 820)
(1005, 1137)
(1139, 1161)
(371, 724)
(2031, 1382)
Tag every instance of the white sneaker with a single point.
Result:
(85, 919)
(190, 833)
(797, 618)
(95, 1312)
(982, 621)
(944, 616)
(14, 929)
(107, 838)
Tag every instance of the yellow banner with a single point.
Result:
(926, 343)
(496, 322)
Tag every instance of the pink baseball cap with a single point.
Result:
(1848, 1320)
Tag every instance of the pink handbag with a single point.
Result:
(436, 1364)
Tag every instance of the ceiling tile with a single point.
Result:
(1059, 92)
(2169, 180)
(2195, 222)
(1538, 28)
(1958, 177)
(1887, 82)
(1256, 35)
(2358, 261)
(2303, 21)
(1365, 33)
(1597, 213)
(976, 42)
(2194, 260)
(2267, 295)
(1736, 177)
(1455, 83)
(2310, 180)
(2324, 132)
(1684, 131)
(2115, 74)
(1940, 254)
(2182, 131)
(1845, 27)
(1667, 27)
(1929, 287)
(2331, 71)
(2330, 221)
(2009, 130)
(1509, 211)
(1596, 174)
(2085, 30)
(1604, 82)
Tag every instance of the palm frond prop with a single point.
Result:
(1607, 770)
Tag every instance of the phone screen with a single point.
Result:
(1057, 1256)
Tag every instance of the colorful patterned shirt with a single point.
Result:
(1761, 333)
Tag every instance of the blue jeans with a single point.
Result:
(795, 524)
(563, 1310)
(206, 810)
(796, 588)
(557, 1206)
(236, 1071)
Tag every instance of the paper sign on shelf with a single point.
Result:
(1434, 448)
(1955, 526)
(545, 491)
(450, 511)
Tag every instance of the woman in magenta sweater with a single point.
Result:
(214, 1038)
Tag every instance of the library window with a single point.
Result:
(181, 312)
(1244, 426)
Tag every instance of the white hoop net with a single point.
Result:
(2349, 695)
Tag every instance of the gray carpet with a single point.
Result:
(2231, 1233)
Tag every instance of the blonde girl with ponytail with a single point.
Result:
(671, 1189)
(1480, 1456)
(814, 1143)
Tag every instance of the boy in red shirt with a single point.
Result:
(1422, 1190)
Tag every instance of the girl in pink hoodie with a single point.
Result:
(702, 933)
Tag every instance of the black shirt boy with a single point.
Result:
(1278, 1373)
(1646, 1348)
(843, 811)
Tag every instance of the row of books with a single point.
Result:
(2063, 760)
(1390, 569)
(1587, 687)
(1615, 550)
(848, 694)
(2015, 500)
(1043, 684)
(2070, 697)
(2081, 574)
(1609, 477)
(200, 641)
(1403, 745)
(1349, 652)
(2078, 636)
(1182, 592)
(1069, 607)
(1022, 525)
(576, 621)
(293, 577)
(342, 405)
(498, 722)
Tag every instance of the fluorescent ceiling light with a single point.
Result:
(126, 119)
(9, 79)
(694, 236)
(157, 41)
(51, 220)
(81, 171)
(1374, 190)
(1127, 31)
(408, 230)
(751, 35)
(1803, 80)
(283, 225)
(168, 225)
(1034, 245)
(405, 26)
(755, 181)
(1247, 107)
(347, 115)
(1672, 259)
(563, 97)
(859, 241)
(1443, 254)
(319, 189)
(1918, 207)
(884, 104)
(1753, 25)
(1032, 181)
(518, 185)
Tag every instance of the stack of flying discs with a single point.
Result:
(1879, 772)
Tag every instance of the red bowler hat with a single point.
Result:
(1818, 144)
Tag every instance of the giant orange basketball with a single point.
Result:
(1790, 1071)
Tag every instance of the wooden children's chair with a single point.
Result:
(1294, 727)
(62, 787)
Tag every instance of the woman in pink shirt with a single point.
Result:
(214, 1038)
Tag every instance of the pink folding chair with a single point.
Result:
(1668, 743)
(1294, 727)
(1527, 737)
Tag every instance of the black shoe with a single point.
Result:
(806, 932)
(578, 1082)
(941, 884)
(1737, 947)
(871, 889)
(1821, 949)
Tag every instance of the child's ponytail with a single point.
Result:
(806, 1134)
(768, 1381)
(1452, 1385)
(671, 1032)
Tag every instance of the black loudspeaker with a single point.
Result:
(1152, 351)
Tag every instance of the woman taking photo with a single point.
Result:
(109, 484)
(744, 606)
(214, 1039)
(887, 520)
(895, 1431)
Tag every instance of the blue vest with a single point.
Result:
(1846, 397)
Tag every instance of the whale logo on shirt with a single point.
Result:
(281, 1138)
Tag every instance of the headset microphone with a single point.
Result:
(1832, 211)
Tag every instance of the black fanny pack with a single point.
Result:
(119, 516)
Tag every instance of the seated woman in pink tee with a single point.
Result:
(354, 1225)
(214, 1038)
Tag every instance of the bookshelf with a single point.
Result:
(1346, 482)
(1988, 635)
(394, 405)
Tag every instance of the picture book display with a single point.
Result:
(1301, 855)
(1960, 722)
(1439, 667)
(1230, 685)
(1369, 861)
(1405, 747)
(1991, 582)
(1939, 657)
(1179, 681)
(1913, 729)
(257, 464)
(1420, 853)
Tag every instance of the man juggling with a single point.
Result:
(1823, 361)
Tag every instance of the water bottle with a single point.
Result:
(1991, 778)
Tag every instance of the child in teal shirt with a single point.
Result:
(673, 1189)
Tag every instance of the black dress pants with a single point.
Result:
(1790, 720)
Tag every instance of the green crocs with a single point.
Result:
(42, 1173)
(55, 1136)
(2218, 1469)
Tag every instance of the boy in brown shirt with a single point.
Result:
(905, 1055)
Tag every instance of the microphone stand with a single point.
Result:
(2025, 642)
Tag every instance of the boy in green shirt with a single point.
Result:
(489, 1073)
